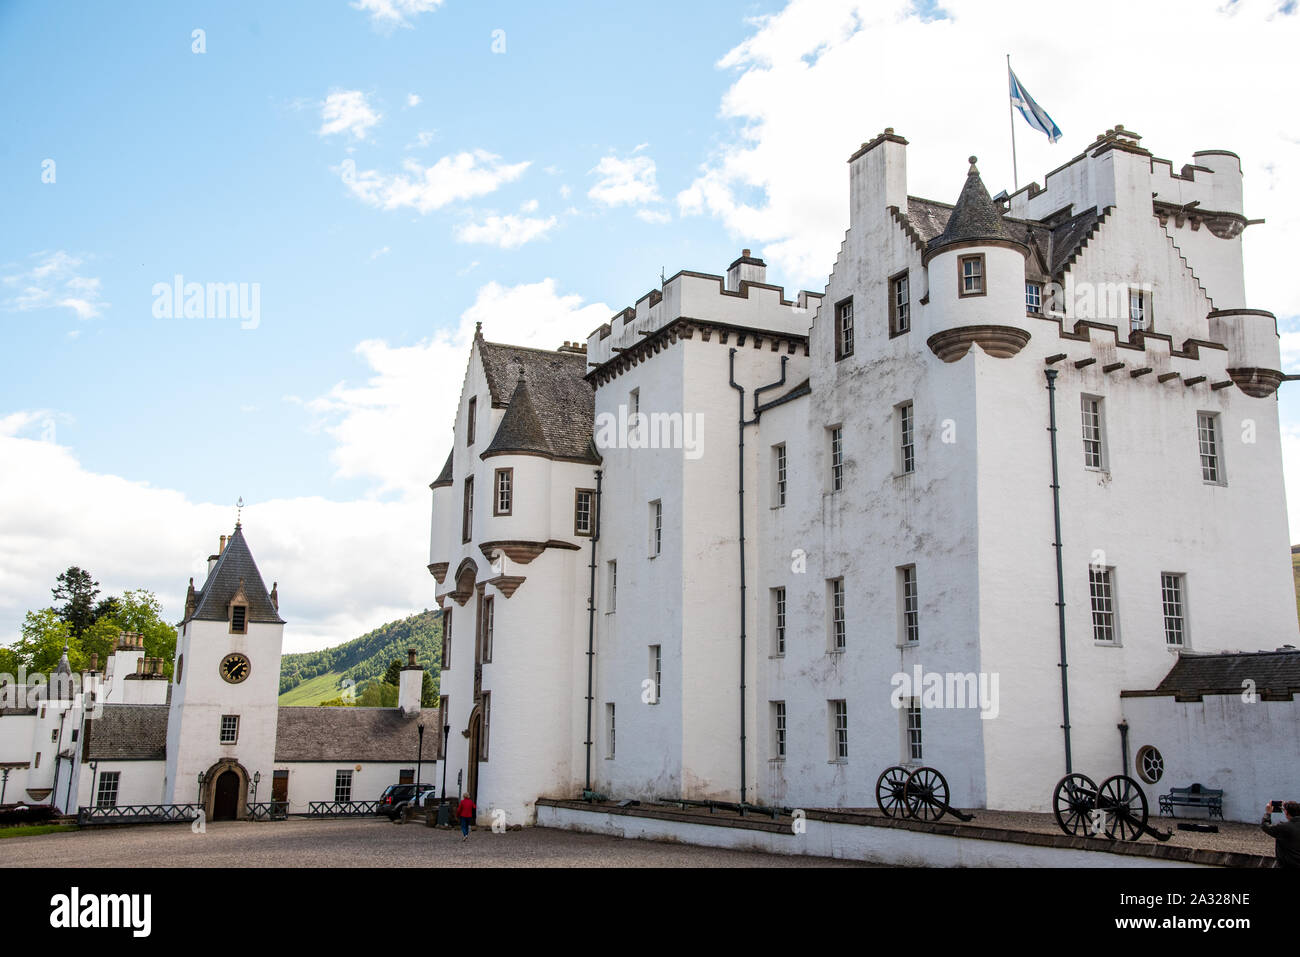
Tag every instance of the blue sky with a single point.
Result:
(386, 178)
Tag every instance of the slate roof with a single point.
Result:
(235, 564)
(974, 217)
(128, 732)
(445, 476)
(562, 400)
(1273, 673)
(1053, 243)
(353, 734)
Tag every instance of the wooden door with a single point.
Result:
(225, 801)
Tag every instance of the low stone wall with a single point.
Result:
(860, 837)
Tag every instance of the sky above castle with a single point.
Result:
(374, 177)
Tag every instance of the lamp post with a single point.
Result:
(199, 801)
(257, 779)
(4, 784)
(419, 759)
(446, 733)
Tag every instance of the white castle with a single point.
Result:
(748, 548)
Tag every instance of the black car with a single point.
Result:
(397, 796)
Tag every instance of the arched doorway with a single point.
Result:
(475, 737)
(225, 796)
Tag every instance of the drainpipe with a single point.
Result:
(1060, 573)
(741, 422)
(591, 621)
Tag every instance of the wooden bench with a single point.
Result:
(1194, 796)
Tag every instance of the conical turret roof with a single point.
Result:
(974, 218)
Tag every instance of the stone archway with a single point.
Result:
(225, 791)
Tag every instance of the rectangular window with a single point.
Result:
(489, 622)
(584, 511)
(656, 670)
(229, 728)
(54, 734)
(970, 275)
(908, 617)
(472, 421)
(1101, 590)
(1094, 432)
(1172, 587)
(486, 726)
(612, 578)
(778, 475)
(906, 439)
(467, 511)
(839, 715)
(778, 621)
(343, 786)
(844, 330)
(106, 789)
(633, 402)
(900, 305)
(839, 634)
(656, 528)
(406, 776)
(239, 619)
(503, 500)
(1139, 310)
(446, 639)
(609, 730)
(1034, 298)
(778, 730)
(837, 457)
(1207, 431)
(914, 752)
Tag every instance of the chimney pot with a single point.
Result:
(410, 657)
(94, 661)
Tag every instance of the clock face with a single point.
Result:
(235, 668)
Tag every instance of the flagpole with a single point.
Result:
(1011, 110)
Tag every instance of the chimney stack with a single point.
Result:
(745, 269)
(94, 661)
(411, 684)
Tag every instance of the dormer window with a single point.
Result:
(970, 275)
(239, 619)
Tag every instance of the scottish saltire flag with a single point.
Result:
(1034, 114)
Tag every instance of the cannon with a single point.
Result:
(1117, 808)
(921, 794)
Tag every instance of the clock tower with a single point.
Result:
(225, 690)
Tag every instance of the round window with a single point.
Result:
(1150, 764)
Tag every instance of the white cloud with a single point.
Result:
(413, 99)
(387, 14)
(52, 281)
(463, 176)
(347, 111)
(625, 182)
(382, 251)
(528, 206)
(343, 567)
(508, 232)
(656, 216)
(848, 69)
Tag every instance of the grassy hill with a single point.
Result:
(311, 677)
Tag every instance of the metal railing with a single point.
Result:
(139, 814)
(269, 811)
(341, 808)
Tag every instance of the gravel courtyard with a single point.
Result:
(364, 843)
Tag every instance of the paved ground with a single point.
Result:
(361, 843)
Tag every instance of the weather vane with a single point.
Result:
(239, 508)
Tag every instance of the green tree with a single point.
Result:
(378, 694)
(429, 691)
(77, 590)
(44, 633)
(393, 676)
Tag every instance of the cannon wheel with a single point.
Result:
(1121, 799)
(1072, 803)
(889, 792)
(926, 794)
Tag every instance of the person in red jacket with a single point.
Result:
(466, 814)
